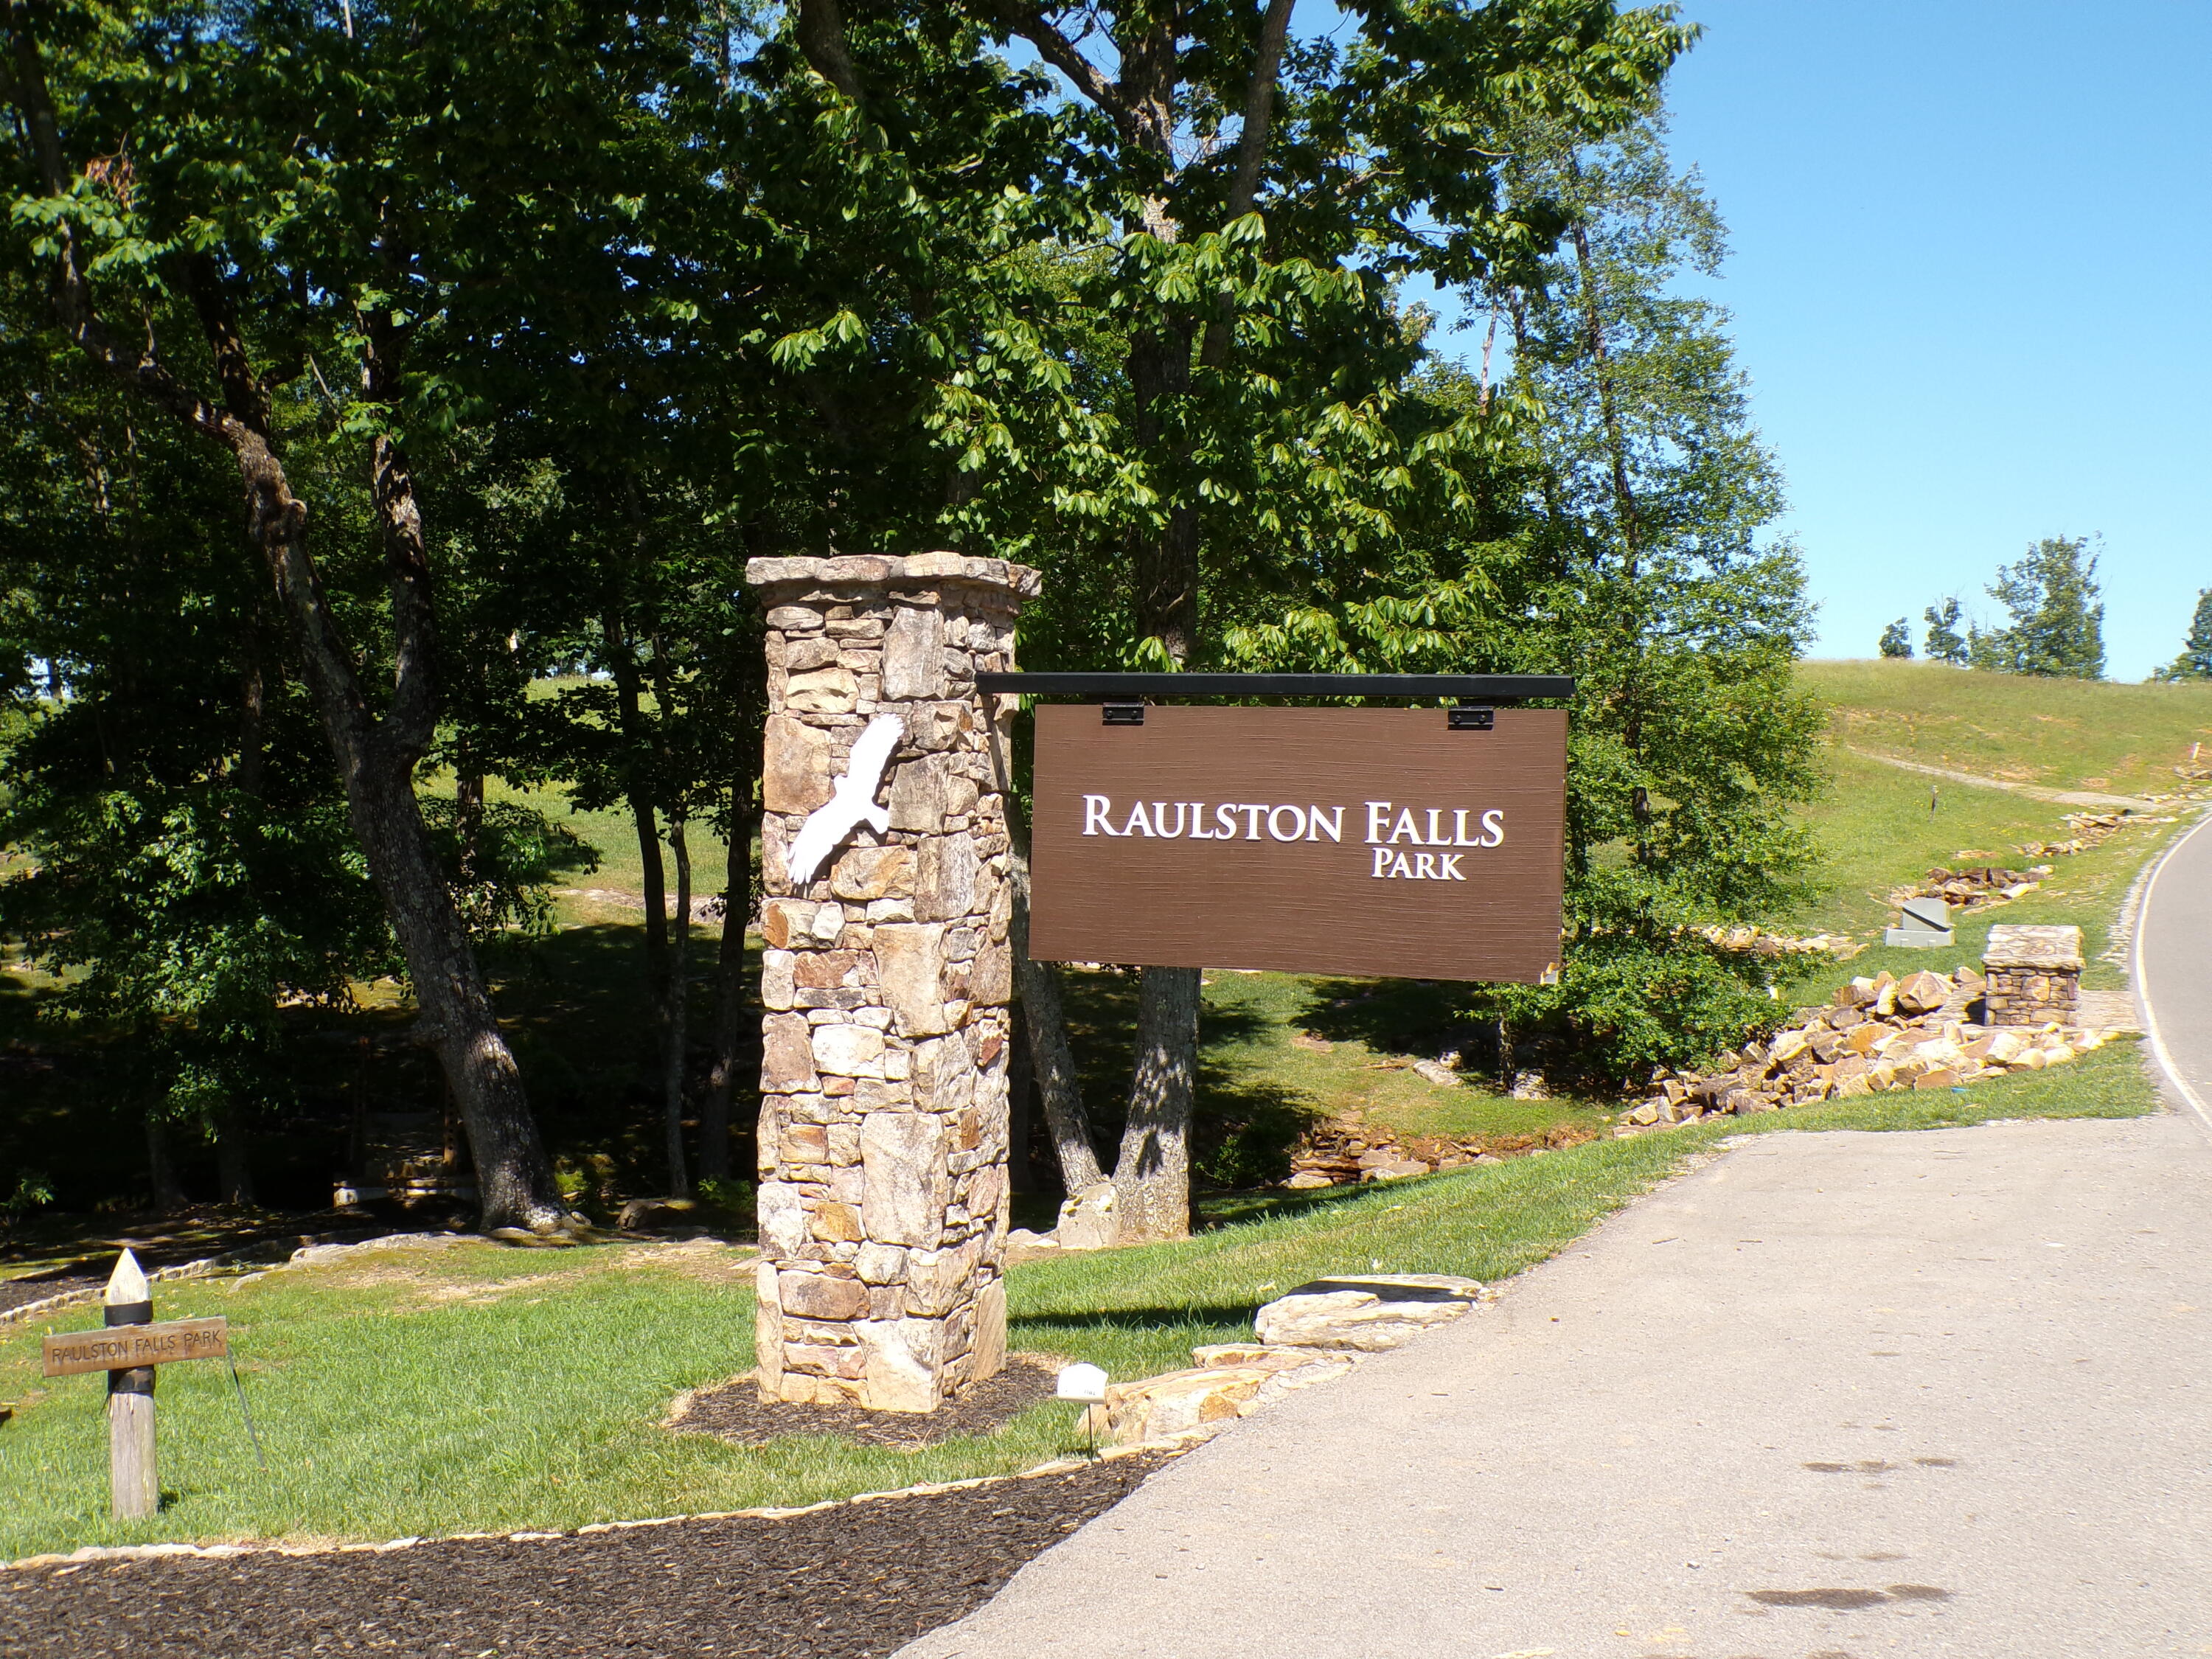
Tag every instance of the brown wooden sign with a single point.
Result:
(127, 1347)
(1351, 840)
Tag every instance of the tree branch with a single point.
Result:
(1260, 107)
(242, 392)
(411, 719)
(821, 31)
(1251, 156)
(72, 294)
(1056, 49)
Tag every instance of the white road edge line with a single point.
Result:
(2165, 1055)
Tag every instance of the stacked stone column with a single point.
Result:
(2033, 974)
(885, 985)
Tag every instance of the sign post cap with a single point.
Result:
(127, 1284)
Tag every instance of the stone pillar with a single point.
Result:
(2033, 974)
(885, 982)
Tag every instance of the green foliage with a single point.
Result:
(1618, 539)
(33, 1191)
(1945, 642)
(2195, 662)
(2057, 627)
(1897, 640)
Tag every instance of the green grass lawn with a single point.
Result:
(480, 1388)
(2062, 734)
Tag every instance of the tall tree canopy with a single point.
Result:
(519, 330)
(2057, 625)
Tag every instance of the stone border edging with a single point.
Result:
(198, 1269)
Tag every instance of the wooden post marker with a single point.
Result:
(134, 1485)
(128, 1350)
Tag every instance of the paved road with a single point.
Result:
(1833, 1396)
(2173, 968)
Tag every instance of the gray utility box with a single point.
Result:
(1926, 925)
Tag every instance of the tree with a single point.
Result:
(1897, 640)
(209, 186)
(1257, 197)
(183, 861)
(2195, 662)
(1945, 642)
(1620, 537)
(2057, 627)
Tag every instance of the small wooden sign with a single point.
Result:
(128, 1347)
(1351, 840)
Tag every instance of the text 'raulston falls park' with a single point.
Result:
(1386, 833)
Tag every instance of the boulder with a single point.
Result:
(1087, 1221)
(1437, 1072)
(1159, 1406)
(1306, 1181)
(1923, 993)
(1368, 1312)
(1023, 1245)
(1216, 1355)
(1392, 1168)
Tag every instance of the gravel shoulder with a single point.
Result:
(1947, 1392)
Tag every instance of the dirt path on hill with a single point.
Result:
(2032, 791)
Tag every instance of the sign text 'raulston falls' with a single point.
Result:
(1389, 826)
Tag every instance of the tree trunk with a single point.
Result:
(468, 816)
(730, 1001)
(676, 1011)
(514, 1178)
(1036, 985)
(233, 1162)
(160, 1167)
(1045, 1017)
(1151, 1176)
(629, 702)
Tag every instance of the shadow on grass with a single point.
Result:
(1243, 1125)
(1231, 1209)
(1396, 1017)
(1138, 1320)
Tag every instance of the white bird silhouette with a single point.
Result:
(852, 802)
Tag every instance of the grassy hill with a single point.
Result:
(2060, 734)
(1881, 826)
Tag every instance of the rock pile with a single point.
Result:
(1350, 1149)
(1760, 943)
(1880, 1034)
(1963, 889)
(1311, 1335)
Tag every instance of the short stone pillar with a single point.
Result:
(885, 981)
(2034, 975)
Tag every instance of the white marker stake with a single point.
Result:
(134, 1489)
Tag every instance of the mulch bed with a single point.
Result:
(854, 1582)
(37, 1287)
(736, 1412)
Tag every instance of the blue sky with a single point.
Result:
(1972, 284)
